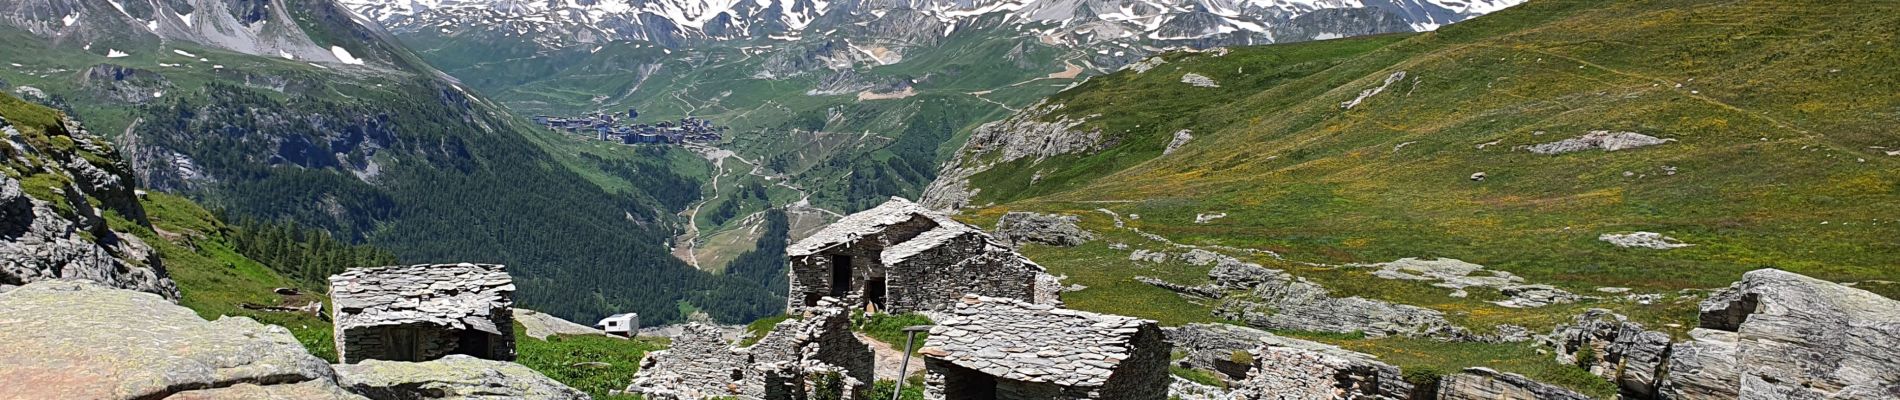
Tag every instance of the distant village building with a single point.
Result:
(620, 324)
(812, 356)
(423, 312)
(901, 257)
(992, 348)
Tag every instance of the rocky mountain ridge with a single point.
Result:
(1096, 24)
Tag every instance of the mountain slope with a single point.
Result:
(1766, 141)
(368, 142)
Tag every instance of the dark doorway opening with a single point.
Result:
(961, 383)
(840, 275)
(874, 293)
(474, 343)
(402, 344)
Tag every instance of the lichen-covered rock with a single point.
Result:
(452, 377)
(1488, 384)
(1781, 335)
(1019, 227)
(1609, 346)
(306, 390)
(81, 340)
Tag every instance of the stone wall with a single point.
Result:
(967, 263)
(798, 357)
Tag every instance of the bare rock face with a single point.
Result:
(453, 377)
(61, 235)
(1019, 227)
(82, 340)
(1489, 384)
(1028, 134)
(1780, 335)
(1610, 346)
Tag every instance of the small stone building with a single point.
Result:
(900, 257)
(814, 355)
(993, 348)
(423, 312)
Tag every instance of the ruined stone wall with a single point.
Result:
(936, 278)
(811, 274)
(781, 366)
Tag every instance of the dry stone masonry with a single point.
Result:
(997, 348)
(423, 312)
(799, 357)
(900, 257)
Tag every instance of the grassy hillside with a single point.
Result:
(1780, 118)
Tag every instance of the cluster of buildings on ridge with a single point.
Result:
(619, 128)
(1001, 331)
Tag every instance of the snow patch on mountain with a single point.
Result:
(343, 55)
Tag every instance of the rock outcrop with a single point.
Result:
(1028, 134)
(1780, 335)
(1488, 384)
(1459, 276)
(82, 340)
(1599, 140)
(1273, 299)
(58, 233)
(1020, 227)
(1609, 346)
(452, 377)
(1648, 240)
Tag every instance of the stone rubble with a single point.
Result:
(1648, 240)
(1598, 140)
(1018, 227)
(817, 345)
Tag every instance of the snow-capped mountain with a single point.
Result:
(556, 23)
(269, 28)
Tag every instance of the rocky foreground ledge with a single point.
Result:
(83, 340)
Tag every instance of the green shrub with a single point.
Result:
(1241, 357)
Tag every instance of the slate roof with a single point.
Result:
(868, 222)
(1016, 340)
(458, 296)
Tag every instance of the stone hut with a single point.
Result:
(799, 359)
(993, 348)
(900, 257)
(423, 312)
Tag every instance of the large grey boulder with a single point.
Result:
(1020, 227)
(1780, 335)
(82, 340)
(452, 377)
(1609, 346)
(1488, 384)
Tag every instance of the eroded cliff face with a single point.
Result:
(63, 191)
(1025, 135)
